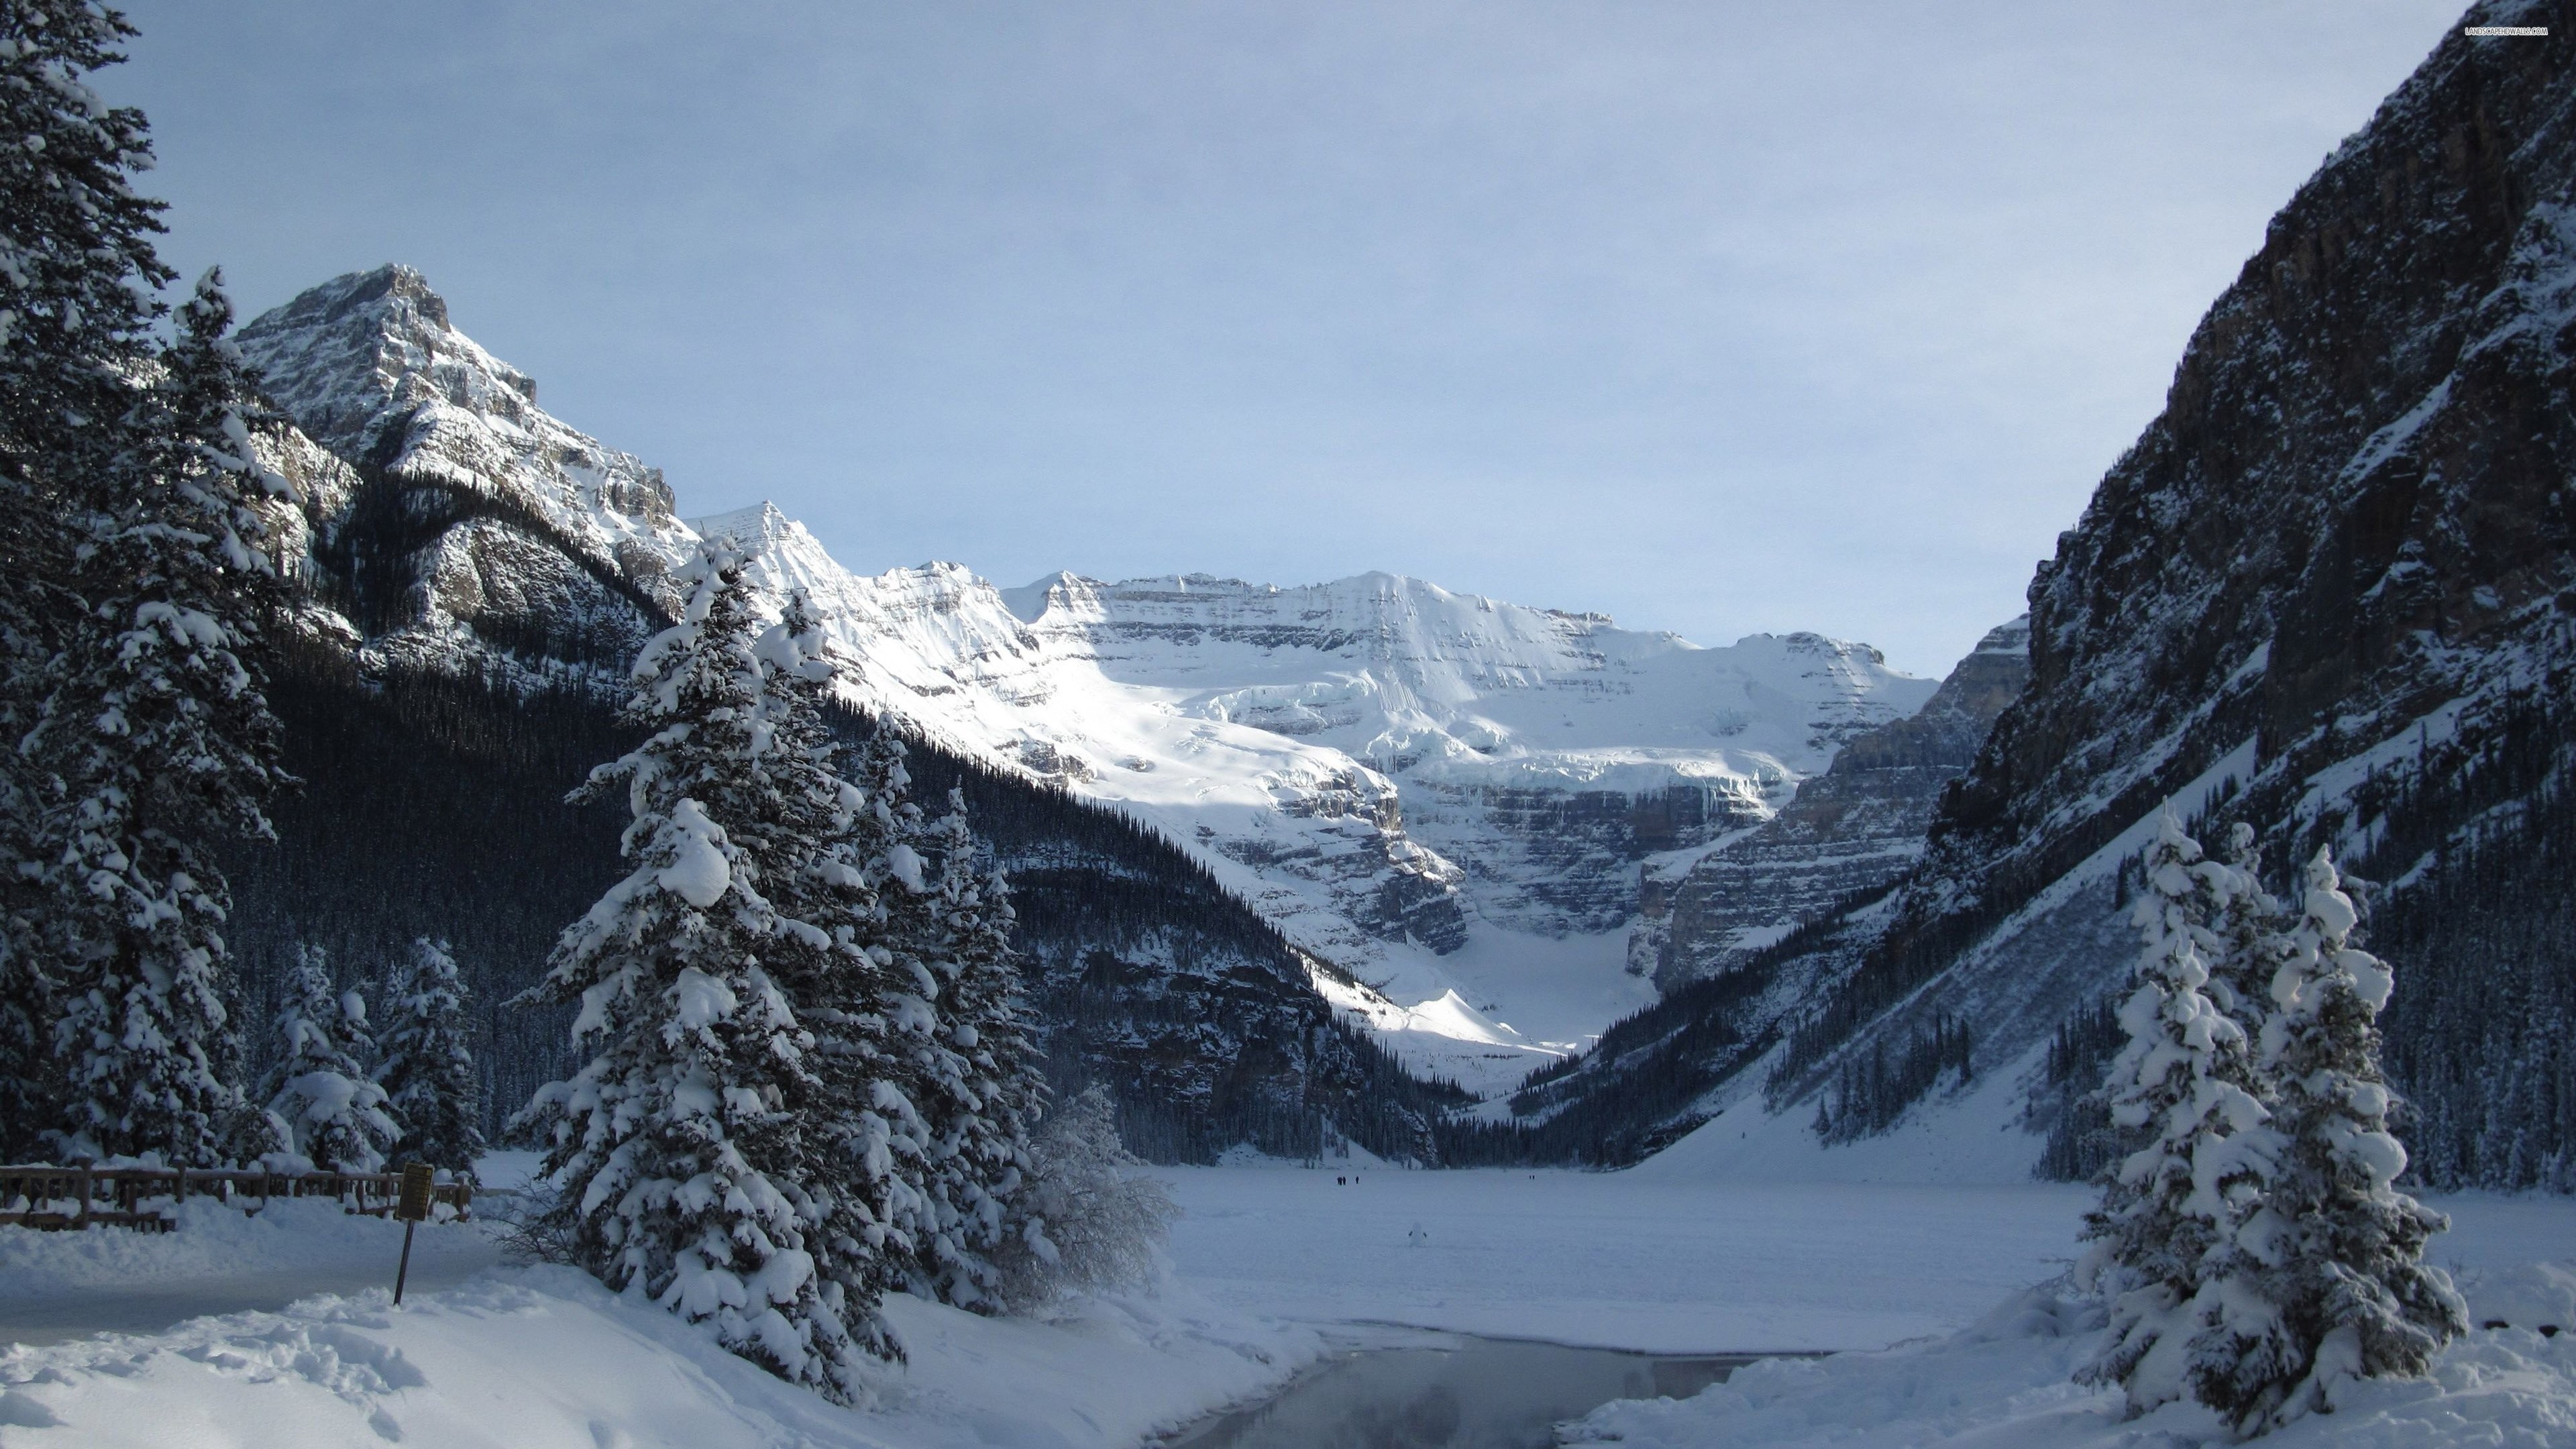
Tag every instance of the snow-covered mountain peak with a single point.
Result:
(1030, 600)
(345, 356)
(370, 366)
(754, 527)
(1407, 675)
(2012, 637)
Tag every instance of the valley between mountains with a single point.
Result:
(828, 1006)
(1466, 881)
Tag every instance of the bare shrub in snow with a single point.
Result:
(1091, 1218)
(532, 1226)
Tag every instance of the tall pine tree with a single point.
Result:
(2184, 1087)
(77, 273)
(680, 1145)
(865, 1136)
(932, 918)
(884, 845)
(157, 743)
(908, 982)
(980, 1118)
(2330, 1283)
(427, 1067)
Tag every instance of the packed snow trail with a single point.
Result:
(57, 1286)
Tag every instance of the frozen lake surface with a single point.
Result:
(1614, 1260)
(1450, 1391)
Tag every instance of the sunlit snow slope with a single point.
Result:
(1447, 796)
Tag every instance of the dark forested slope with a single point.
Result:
(433, 803)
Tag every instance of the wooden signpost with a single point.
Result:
(417, 1180)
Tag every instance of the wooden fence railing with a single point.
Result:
(143, 1197)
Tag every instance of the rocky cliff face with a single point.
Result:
(464, 526)
(2331, 592)
(1848, 833)
(2338, 567)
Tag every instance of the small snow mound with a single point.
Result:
(703, 1000)
(697, 873)
(2040, 1312)
(2536, 1295)
(904, 864)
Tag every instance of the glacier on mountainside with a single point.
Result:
(1429, 790)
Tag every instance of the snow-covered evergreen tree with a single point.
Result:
(956, 1032)
(2330, 1282)
(320, 1087)
(1089, 1218)
(827, 841)
(427, 1067)
(157, 741)
(77, 280)
(2244, 926)
(979, 1116)
(887, 846)
(679, 1144)
(2184, 1087)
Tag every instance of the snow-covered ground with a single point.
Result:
(541, 1357)
(55, 1286)
(2007, 1383)
(1677, 1260)
(279, 1332)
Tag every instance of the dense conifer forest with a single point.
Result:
(434, 804)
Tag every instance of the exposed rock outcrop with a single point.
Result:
(1848, 833)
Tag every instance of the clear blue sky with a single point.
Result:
(1717, 317)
